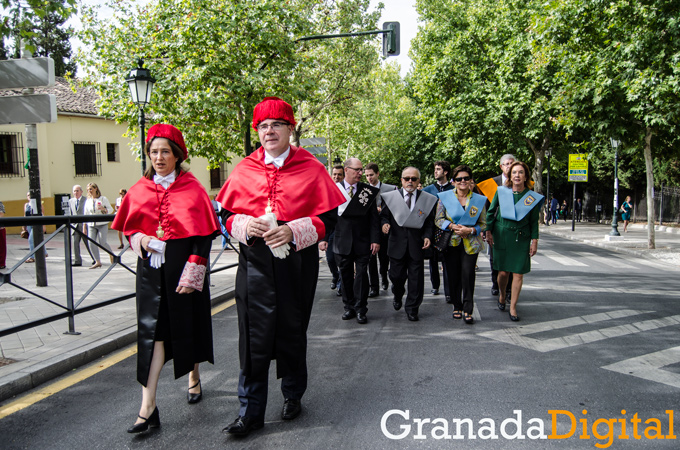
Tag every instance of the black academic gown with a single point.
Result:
(185, 318)
(274, 299)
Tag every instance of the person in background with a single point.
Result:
(97, 204)
(512, 231)
(76, 207)
(121, 195)
(554, 206)
(170, 224)
(338, 174)
(578, 209)
(564, 210)
(626, 208)
(442, 170)
(3, 240)
(29, 210)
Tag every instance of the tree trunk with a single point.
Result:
(650, 187)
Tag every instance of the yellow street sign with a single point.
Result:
(578, 167)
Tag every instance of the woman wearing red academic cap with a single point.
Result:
(170, 223)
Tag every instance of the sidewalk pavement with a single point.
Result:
(32, 357)
(634, 242)
(35, 356)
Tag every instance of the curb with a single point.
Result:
(33, 375)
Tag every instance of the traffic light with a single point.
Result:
(390, 41)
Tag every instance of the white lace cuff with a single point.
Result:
(193, 275)
(239, 226)
(304, 232)
(136, 245)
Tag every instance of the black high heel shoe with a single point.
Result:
(513, 318)
(195, 398)
(154, 421)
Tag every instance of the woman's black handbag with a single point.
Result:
(442, 238)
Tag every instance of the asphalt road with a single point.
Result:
(598, 333)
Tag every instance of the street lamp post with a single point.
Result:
(141, 83)
(615, 224)
(548, 153)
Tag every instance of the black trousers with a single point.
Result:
(461, 271)
(354, 279)
(412, 270)
(384, 260)
(330, 259)
(435, 259)
(252, 391)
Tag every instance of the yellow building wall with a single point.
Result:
(57, 164)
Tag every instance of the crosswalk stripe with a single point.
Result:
(563, 260)
(616, 263)
(649, 366)
(518, 336)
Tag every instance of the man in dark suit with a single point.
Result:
(76, 207)
(441, 184)
(506, 161)
(357, 237)
(408, 216)
(372, 173)
(338, 174)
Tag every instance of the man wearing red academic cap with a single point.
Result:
(278, 203)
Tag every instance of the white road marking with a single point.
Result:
(613, 262)
(563, 260)
(648, 367)
(519, 335)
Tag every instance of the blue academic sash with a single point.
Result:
(516, 211)
(462, 216)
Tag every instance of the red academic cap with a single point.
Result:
(168, 132)
(273, 108)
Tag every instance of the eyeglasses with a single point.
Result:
(459, 179)
(276, 126)
(410, 178)
(360, 169)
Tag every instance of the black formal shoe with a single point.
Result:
(154, 421)
(501, 306)
(385, 285)
(334, 284)
(291, 409)
(513, 318)
(243, 425)
(361, 318)
(448, 299)
(412, 317)
(349, 315)
(76, 264)
(397, 304)
(195, 398)
(495, 292)
(435, 291)
(373, 292)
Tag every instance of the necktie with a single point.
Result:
(351, 191)
(408, 200)
(77, 204)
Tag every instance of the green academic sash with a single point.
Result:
(516, 211)
(462, 216)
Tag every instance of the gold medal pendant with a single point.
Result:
(159, 232)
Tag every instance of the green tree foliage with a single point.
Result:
(48, 38)
(620, 73)
(214, 60)
(477, 88)
(21, 18)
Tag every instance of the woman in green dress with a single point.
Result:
(513, 232)
(626, 208)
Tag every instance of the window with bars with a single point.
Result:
(12, 159)
(87, 157)
(218, 176)
(112, 154)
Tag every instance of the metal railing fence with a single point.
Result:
(66, 225)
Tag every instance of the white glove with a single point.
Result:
(157, 257)
(279, 252)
